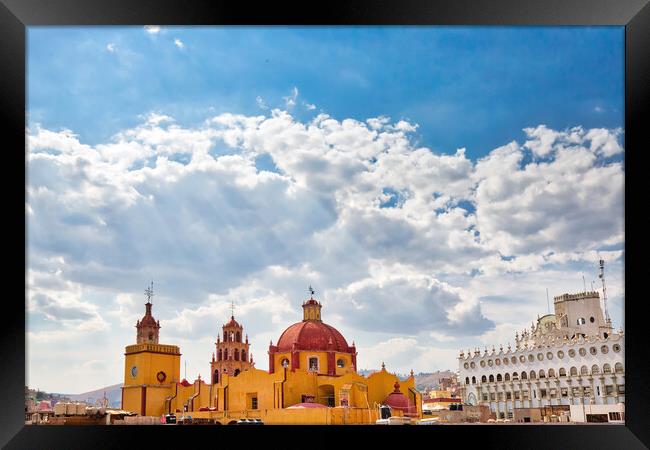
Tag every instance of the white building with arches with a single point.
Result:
(572, 357)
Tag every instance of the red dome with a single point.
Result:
(397, 400)
(233, 323)
(312, 335)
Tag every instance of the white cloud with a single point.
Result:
(261, 103)
(110, 47)
(290, 101)
(152, 29)
(403, 245)
(178, 43)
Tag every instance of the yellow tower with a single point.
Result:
(150, 369)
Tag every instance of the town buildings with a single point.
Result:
(312, 378)
(568, 361)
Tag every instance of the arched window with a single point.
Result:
(225, 336)
(607, 368)
(551, 373)
(595, 370)
(243, 355)
(542, 374)
(573, 371)
(483, 379)
(215, 377)
(507, 377)
(562, 372)
(238, 337)
(584, 370)
(466, 380)
(532, 375)
(236, 354)
(618, 367)
(524, 376)
(237, 371)
(491, 378)
(473, 380)
(219, 355)
(515, 376)
(499, 377)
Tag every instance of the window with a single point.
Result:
(251, 400)
(576, 391)
(616, 348)
(492, 396)
(582, 352)
(500, 396)
(506, 361)
(560, 354)
(564, 392)
(618, 367)
(531, 358)
(513, 360)
(551, 373)
(609, 389)
(483, 379)
(533, 375)
(237, 372)
(593, 350)
(572, 353)
(525, 395)
(508, 395)
(553, 393)
(562, 372)
(540, 357)
(466, 365)
(517, 395)
(549, 355)
(621, 389)
(522, 359)
(507, 377)
(472, 365)
(243, 355)
(466, 380)
(607, 368)
(284, 362)
(313, 364)
(614, 416)
(542, 393)
(592, 320)
(497, 362)
(598, 391)
(491, 378)
(490, 363)
(499, 378)
(573, 371)
(542, 374)
(534, 393)
(510, 416)
(515, 376)
(587, 391)
(524, 376)
(473, 380)
(482, 363)
(584, 370)
(485, 397)
(340, 363)
(581, 321)
(254, 403)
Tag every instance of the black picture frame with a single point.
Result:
(16, 15)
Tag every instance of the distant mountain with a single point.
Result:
(427, 381)
(113, 394)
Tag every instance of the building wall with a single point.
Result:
(579, 413)
(479, 365)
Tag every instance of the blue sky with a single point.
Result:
(465, 86)
(429, 182)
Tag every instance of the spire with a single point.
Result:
(232, 309)
(383, 366)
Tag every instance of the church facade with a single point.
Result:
(312, 378)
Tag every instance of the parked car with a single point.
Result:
(250, 422)
(170, 418)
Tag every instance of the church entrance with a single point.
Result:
(326, 395)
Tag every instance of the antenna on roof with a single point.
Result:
(548, 305)
(601, 275)
(584, 284)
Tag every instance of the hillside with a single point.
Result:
(113, 394)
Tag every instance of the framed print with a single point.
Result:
(372, 214)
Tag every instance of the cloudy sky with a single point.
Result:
(429, 182)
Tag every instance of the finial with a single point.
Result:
(149, 292)
(232, 309)
(383, 366)
(500, 347)
(411, 372)
(311, 292)
(509, 348)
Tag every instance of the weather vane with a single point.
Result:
(311, 291)
(149, 292)
(232, 308)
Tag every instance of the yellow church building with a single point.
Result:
(312, 378)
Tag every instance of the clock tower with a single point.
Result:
(151, 369)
